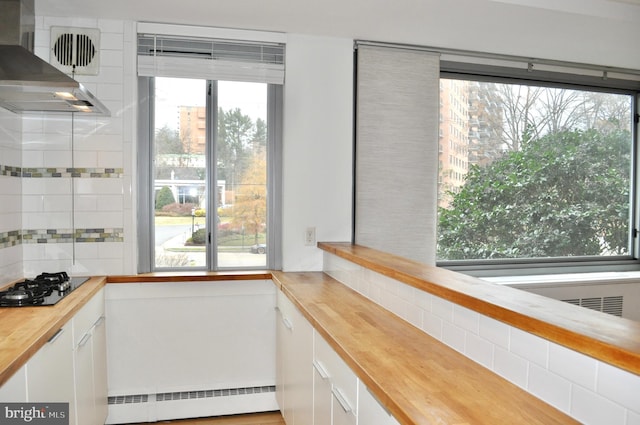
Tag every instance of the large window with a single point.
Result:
(209, 151)
(533, 172)
(208, 216)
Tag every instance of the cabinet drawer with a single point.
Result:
(344, 381)
(370, 411)
(88, 316)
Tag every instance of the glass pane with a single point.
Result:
(180, 173)
(533, 172)
(242, 175)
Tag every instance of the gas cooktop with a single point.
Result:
(45, 289)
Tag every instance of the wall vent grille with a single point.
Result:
(75, 50)
(610, 305)
(129, 399)
(189, 395)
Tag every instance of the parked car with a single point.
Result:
(259, 248)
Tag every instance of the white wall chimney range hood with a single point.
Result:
(28, 83)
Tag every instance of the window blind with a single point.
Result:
(162, 55)
(396, 151)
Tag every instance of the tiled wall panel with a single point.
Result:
(62, 179)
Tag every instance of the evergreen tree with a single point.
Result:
(164, 197)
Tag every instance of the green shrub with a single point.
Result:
(199, 237)
(164, 197)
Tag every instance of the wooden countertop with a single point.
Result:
(23, 330)
(608, 338)
(417, 378)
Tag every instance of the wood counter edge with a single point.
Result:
(383, 395)
(379, 392)
(63, 312)
(611, 339)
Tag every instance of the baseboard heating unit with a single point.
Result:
(190, 404)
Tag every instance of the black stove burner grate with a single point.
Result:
(44, 289)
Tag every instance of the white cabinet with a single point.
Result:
(50, 372)
(90, 362)
(339, 379)
(370, 411)
(15, 389)
(69, 368)
(322, 397)
(294, 383)
(331, 394)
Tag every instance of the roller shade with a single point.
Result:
(396, 152)
(162, 55)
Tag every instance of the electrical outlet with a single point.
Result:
(310, 236)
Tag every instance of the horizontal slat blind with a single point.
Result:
(193, 57)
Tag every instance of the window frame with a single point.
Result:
(534, 266)
(146, 201)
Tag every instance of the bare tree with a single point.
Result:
(518, 105)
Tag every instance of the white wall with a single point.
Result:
(10, 196)
(318, 148)
(318, 116)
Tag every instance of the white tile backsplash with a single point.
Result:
(549, 387)
(98, 219)
(589, 390)
(32, 159)
(467, 319)
(111, 41)
(479, 350)
(432, 325)
(592, 409)
(45, 140)
(442, 308)
(51, 220)
(574, 366)
(619, 385)
(453, 336)
(633, 418)
(510, 366)
(46, 186)
(529, 346)
(494, 331)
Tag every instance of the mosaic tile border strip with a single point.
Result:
(69, 235)
(7, 170)
(31, 236)
(11, 238)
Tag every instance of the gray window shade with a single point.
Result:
(192, 57)
(396, 153)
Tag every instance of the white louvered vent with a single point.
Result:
(76, 50)
(189, 395)
(610, 305)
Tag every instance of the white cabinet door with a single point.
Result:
(284, 353)
(90, 362)
(295, 358)
(343, 412)
(85, 394)
(15, 389)
(321, 395)
(99, 350)
(370, 411)
(50, 372)
(343, 388)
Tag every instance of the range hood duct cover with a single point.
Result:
(28, 83)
